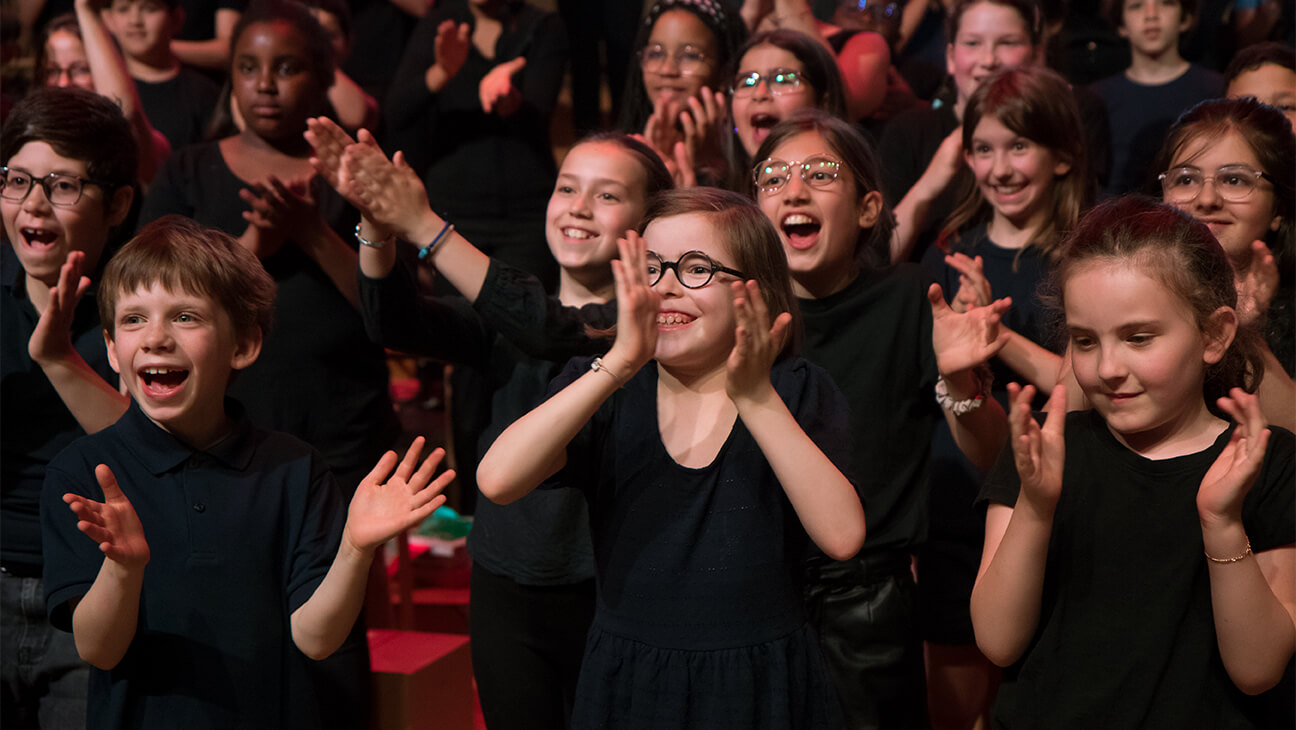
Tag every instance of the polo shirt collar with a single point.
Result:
(161, 451)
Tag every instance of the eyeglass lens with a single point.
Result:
(1232, 182)
(778, 81)
(816, 171)
(59, 189)
(694, 269)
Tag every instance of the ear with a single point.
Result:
(870, 208)
(1061, 168)
(1277, 221)
(120, 205)
(246, 349)
(112, 351)
(1221, 328)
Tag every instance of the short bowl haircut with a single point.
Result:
(820, 68)
(79, 125)
(298, 16)
(748, 236)
(873, 246)
(656, 175)
(1172, 247)
(183, 255)
(1260, 54)
(1029, 10)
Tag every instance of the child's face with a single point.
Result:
(142, 27)
(272, 80)
(1137, 352)
(1270, 83)
(819, 224)
(175, 352)
(695, 327)
(66, 63)
(989, 37)
(1235, 223)
(1015, 174)
(42, 234)
(756, 110)
(1153, 26)
(679, 58)
(599, 195)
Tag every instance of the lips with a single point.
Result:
(161, 383)
(39, 237)
(1118, 398)
(578, 234)
(801, 230)
(673, 319)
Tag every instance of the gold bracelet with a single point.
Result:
(1245, 554)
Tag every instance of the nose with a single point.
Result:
(796, 188)
(989, 56)
(1151, 9)
(265, 80)
(762, 90)
(156, 336)
(64, 78)
(34, 201)
(580, 206)
(669, 66)
(1209, 196)
(1001, 169)
(1110, 367)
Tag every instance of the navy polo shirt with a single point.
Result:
(34, 423)
(239, 537)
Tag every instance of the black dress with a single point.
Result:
(699, 620)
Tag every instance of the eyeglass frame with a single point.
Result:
(643, 60)
(773, 89)
(1239, 167)
(791, 165)
(45, 181)
(674, 266)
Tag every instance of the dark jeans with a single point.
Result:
(44, 680)
(527, 645)
(864, 611)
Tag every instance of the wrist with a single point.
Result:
(436, 78)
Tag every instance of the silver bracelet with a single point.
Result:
(598, 367)
(366, 242)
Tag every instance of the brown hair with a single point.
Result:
(1037, 104)
(749, 238)
(656, 176)
(1029, 10)
(1177, 250)
(182, 255)
(872, 247)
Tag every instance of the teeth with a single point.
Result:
(577, 233)
(159, 371)
(799, 219)
(673, 318)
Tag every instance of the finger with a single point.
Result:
(410, 460)
(688, 124)
(780, 330)
(937, 300)
(98, 533)
(438, 485)
(108, 483)
(462, 35)
(1056, 409)
(378, 474)
(760, 311)
(683, 155)
(515, 65)
(426, 469)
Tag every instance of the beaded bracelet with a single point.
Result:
(427, 250)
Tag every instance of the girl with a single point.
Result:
(1231, 163)
(871, 327)
(702, 480)
(684, 48)
(1103, 616)
(532, 594)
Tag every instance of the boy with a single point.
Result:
(178, 100)
(1266, 71)
(215, 582)
(1159, 85)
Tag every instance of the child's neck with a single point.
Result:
(577, 287)
(202, 437)
(694, 415)
(1191, 433)
(295, 148)
(1007, 233)
(825, 283)
(159, 67)
(1155, 70)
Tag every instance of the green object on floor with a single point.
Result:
(445, 523)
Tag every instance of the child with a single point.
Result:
(532, 595)
(354, 106)
(75, 146)
(177, 99)
(206, 578)
(1159, 84)
(703, 477)
(1093, 590)
(1266, 71)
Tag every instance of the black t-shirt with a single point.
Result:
(180, 108)
(1126, 637)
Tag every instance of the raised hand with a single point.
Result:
(1039, 452)
(452, 46)
(386, 504)
(704, 123)
(1257, 285)
(757, 343)
(497, 92)
(963, 341)
(974, 288)
(637, 307)
(328, 142)
(111, 523)
(388, 192)
(1232, 475)
(52, 338)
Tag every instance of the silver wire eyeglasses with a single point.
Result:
(688, 59)
(778, 81)
(694, 269)
(60, 189)
(818, 171)
(1233, 183)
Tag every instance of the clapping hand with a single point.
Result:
(386, 504)
(498, 94)
(965, 340)
(757, 343)
(1232, 475)
(637, 309)
(1257, 285)
(111, 523)
(1039, 452)
(974, 288)
(52, 338)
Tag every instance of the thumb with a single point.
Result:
(463, 31)
(515, 65)
(937, 299)
(108, 483)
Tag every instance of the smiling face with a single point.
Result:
(1235, 223)
(272, 80)
(695, 327)
(66, 63)
(819, 226)
(990, 37)
(1271, 84)
(1015, 174)
(680, 32)
(1153, 26)
(599, 195)
(1138, 354)
(755, 112)
(175, 352)
(143, 28)
(42, 235)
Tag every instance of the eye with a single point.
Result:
(246, 68)
(654, 53)
(698, 268)
(129, 319)
(1185, 179)
(1139, 339)
(609, 197)
(1234, 180)
(564, 189)
(289, 68)
(821, 176)
(1081, 342)
(18, 180)
(980, 148)
(689, 54)
(653, 268)
(66, 184)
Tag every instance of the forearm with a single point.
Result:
(981, 433)
(1006, 597)
(213, 52)
(1256, 633)
(338, 261)
(825, 501)
(416, 8)
(1277, 393)
(1038, 366)
(355, 108)
(105, 619)
(455, 258)
(323, 622)
(92, 401)
(376, 262)
(911, 217)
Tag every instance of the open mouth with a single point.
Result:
(801, 230)
(39, 237)
(670, 319)
(162, 382)
(578, 234)
(761, 126)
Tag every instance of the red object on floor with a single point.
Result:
(421, 681)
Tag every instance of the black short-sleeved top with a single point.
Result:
(318, 376)
(34, 423)
(875, 339)
(1126, 637)
(181, 107)
(240, 536)
(543, 538)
